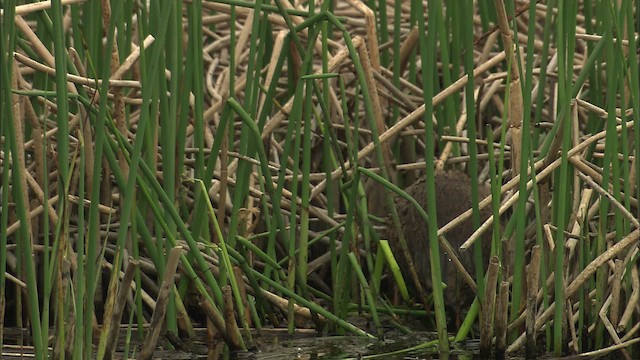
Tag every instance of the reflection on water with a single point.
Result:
(278, 345)
(349, 347)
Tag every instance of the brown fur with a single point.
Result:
(453, 197)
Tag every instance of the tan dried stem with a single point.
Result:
(39, 48)
(410, 119)
(580, 221)
(75, 78)
(515, 91)
(589, 270)
(18, 124)
(335, 62)
(609, 327)
(533, 278)
(407, 48)
(488, 306)
(616, 289)
(546, 171)
(372, 34)
(368, 68)
(43, 5)
(633, 300)
(460, 125)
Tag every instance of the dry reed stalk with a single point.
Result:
(631, 304)
(501, 314)
(588, 271)
(369, 67)
(410, 119)
(20, 167)
(460, 125)
(614, 311)
(488, 307)
(407, 48)
(546, 172)
(75, 79)
(231, 326)
(532, 308)
(336, 61)
(515, 91)
(118, 310)
(157, 319)
(406, 95)
(243, 294)
(580, 220)
(609, 327)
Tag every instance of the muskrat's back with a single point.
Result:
(453, 197)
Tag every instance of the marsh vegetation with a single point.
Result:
(238, 166)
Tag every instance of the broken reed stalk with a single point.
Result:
(218, 322)
(237, 272)
(609, 327)
(579, 280)
(570, 325)
(614, 310)
(121, 301)
(502, 311)
(515, 109)
(158, 317)
(231, 326)
(488, 307)
(532, 301)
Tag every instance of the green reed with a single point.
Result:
(182, 159)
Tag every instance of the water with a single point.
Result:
(276, 344)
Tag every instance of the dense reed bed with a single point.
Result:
(167, 166)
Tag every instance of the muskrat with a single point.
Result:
(453, 197)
